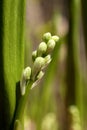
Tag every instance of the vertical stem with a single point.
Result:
(74, 90)
(84, 20)
(21, 105)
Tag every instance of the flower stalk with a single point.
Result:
(32, 76)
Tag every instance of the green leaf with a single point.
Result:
(11, 56)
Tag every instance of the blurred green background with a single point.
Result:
(64, 84)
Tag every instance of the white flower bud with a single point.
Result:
(27, 73)
(25, 77)
(38, 65)
(47, 60)
(42, 48)
(35, 83)
(34, 55)
(47, 36)
(39, 76)
(55, 38)
(50, 45)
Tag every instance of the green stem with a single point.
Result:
(73, 60)
(74, 83)
(22, 103)
(84, 20)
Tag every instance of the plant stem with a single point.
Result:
(22, 103)
(84, 20)
(74, 83)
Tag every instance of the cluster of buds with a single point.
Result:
(41, 58)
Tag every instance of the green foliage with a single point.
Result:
(11, 55)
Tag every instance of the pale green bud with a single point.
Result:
(35, 83)
(42, 48)
(55, 38)
(26, 75)
(50, 45)
(38, 65)
(47, 60)
(34, 55)
(47, 36)
(39, 76)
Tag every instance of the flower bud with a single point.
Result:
(50, 45)
(47, 60)
(42, 48)
(46, 37)
(34, 55)
(38, 65)
(39, 76)
(25, 77)
(27, 73)
(55, 38)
